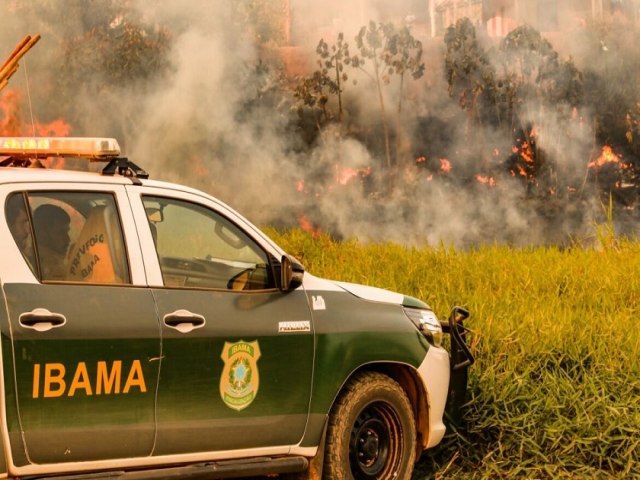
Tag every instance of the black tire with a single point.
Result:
(371, 432)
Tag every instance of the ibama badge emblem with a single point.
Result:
(240, 378)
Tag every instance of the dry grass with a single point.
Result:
(555, 392)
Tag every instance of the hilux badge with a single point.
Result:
(240, 379)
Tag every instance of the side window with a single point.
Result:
(77, 237)
(200, 248)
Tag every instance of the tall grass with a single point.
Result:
(555, 391)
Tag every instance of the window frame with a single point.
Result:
(20, 270)
(214, 212)
(51, 194)
(152, 188)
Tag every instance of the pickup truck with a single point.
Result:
(150, 331)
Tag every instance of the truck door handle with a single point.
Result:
(183, 320)
(41, 320)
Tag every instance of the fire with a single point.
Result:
(307, 226)
(445, 165)
(610, 171)
(519, 169)
(343, 177)
(527, 155)
(56, 128)
(486, 180)
(607, 156)
(11, 123)
(526, 161)
(10, 119)
(345, 174)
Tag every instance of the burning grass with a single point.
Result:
(555, 392)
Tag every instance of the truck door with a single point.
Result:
(83, 339)
(237, 353)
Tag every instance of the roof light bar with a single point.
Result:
(43, 147)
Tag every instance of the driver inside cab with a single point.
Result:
(51, 224)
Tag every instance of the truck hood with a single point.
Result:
(375, 294)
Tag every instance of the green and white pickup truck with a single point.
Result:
(148, 331)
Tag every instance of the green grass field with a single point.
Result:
(555, 390)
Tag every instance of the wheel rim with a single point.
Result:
(375, 447)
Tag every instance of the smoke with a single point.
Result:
(222, 119)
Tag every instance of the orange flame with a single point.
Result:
(11, 123)
(486, 180)
(57, 128)
(423, 162)
(345, 174)
(307, 226)
(445, 165)
(526, 152)
(521, 171)
(10, 119)
(607, 155)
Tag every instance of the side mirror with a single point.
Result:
(292, 273)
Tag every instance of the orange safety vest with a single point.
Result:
(91, 259)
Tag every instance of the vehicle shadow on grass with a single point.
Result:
(433, 464)
(444, 460)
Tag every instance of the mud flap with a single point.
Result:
(461, 360)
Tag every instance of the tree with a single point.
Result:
(314, 91)
(517, 88)
(371, 43)
(538, 76)
(404, 56)
(611, 82)
(472, 78)
(525, 72)
(391, 51)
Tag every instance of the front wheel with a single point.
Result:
(371, 432)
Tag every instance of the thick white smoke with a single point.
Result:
(194, 127)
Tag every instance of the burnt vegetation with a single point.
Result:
(513, 97)
(528, 85)
(512, 121)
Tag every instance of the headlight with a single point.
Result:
(427, 323)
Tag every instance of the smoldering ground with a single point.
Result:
(221, 116)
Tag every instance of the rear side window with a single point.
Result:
(17, 216)
(72, 236)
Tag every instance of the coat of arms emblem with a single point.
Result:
(240, 379)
